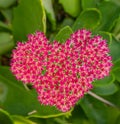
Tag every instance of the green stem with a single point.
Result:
(26, 87)
(102, 99)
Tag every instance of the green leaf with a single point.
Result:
(109, 89)
(117, 2)
(78, 116)
(6, 42)
(21, 120)
(115, 53)
(105, 81)
(50, 12)
(29, 16)
(67, 22)
(6, 3)
(106, 35)
(97, 112)
(4, 27)
(63, 34)
(17, 100)
(115, 50)
(8, 14)
(72, 7)
(90, 4)
(116, 73)
(110, 12)
(5, 118)
(89, 18)
(116, 66)
(114, 98)
(116, 29)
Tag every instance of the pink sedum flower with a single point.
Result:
(29, 58)
(61, 73)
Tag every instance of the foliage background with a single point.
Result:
(58, 19)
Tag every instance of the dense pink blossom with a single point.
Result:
(29, 58)
(61, 73)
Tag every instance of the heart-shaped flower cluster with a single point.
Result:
(61, 73)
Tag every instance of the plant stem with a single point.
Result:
(102, 99)
(25, 85)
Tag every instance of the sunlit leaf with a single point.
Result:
(110, 12)
(90, 4)
(29, 16)
(89, 18)
(50, 12)
(63, 34)
(72, 7)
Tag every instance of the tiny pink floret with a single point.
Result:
(61, 73)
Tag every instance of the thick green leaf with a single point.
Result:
(105, 81)
(72, 7)
(115, 50)
(29, 16)
(97, 112)
(116, 66)
(5, 118)
(8, 14)
(4, 27)
(21, 120)
(17, 100)
(106, 35)
(50, 12)
(110, 12)
(6, 3)
(6, 42)
(90, 4)
(115, 53)
(105, 89)
(114, 98)
(89, 18)
(116, 73)
(116, 29)
(63, 34)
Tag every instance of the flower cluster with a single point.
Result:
(61, 73)
(29, 59)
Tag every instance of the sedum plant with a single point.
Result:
(59, 62)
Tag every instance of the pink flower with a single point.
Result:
(61, 73)
(29, 58)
